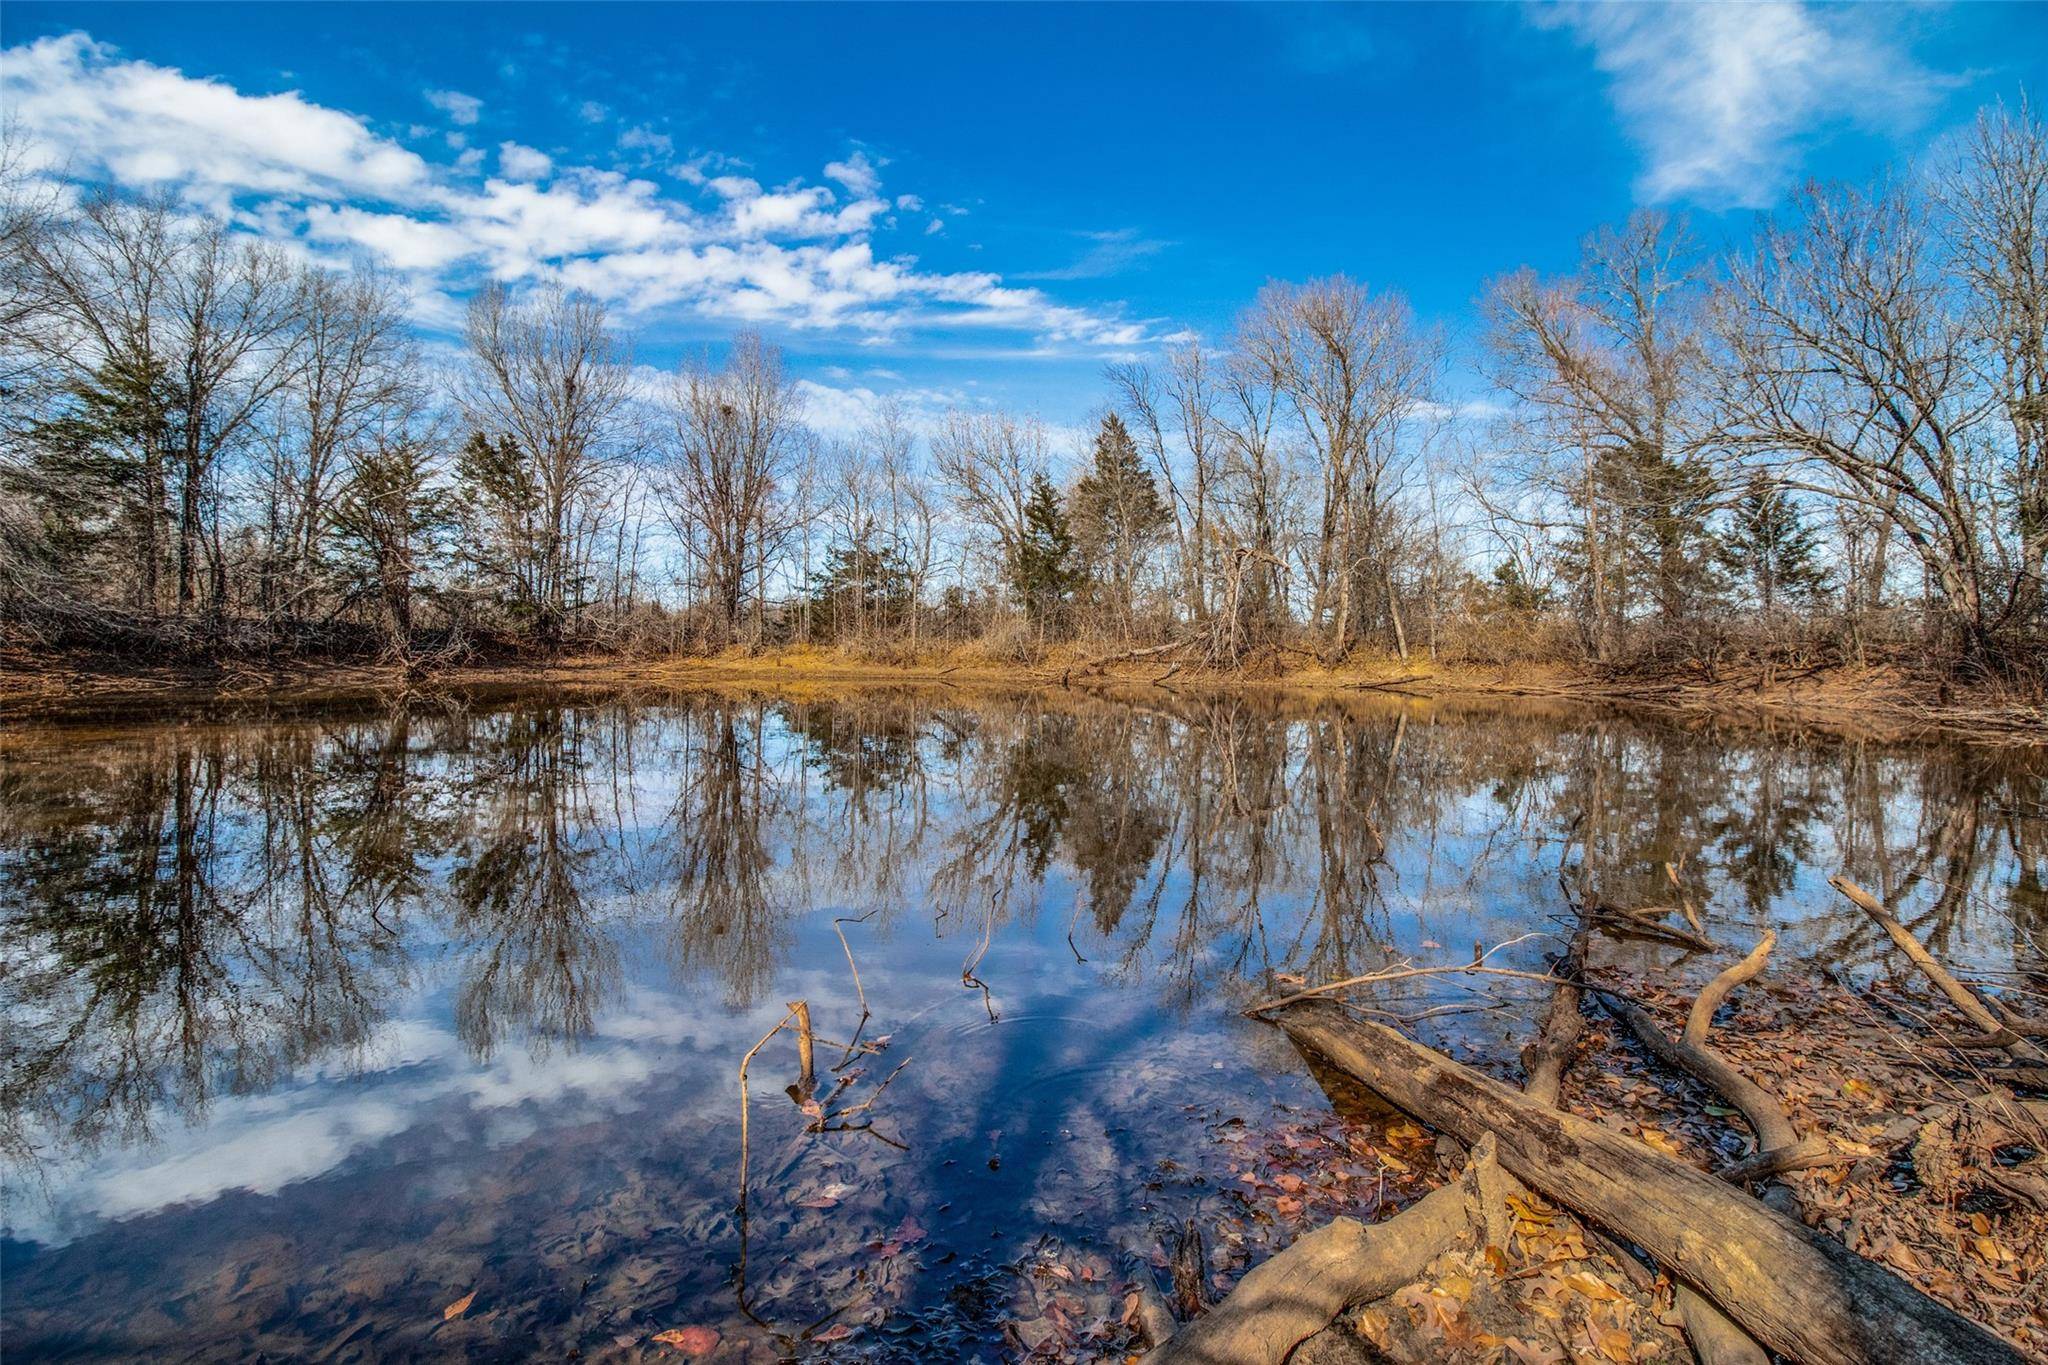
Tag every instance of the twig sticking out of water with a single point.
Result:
(746, 1103)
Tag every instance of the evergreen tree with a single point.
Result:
(1045, 572)
(94, 472)
(389, 523)
(1643, 537)
(1513, 590)
(504, 526)
(1770, 549)
(865, 585)
(1117, 514)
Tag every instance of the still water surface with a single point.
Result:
(316, 1024)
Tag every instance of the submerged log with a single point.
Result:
(1190, 1271)
(1796, 1291)
(1290, 1297)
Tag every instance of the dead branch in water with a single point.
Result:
(1994, 1030)
(1779, 1145)
(1407, 972)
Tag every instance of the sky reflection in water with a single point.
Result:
(316, 1024)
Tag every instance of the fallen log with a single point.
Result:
(1293, 1295)
(1388, 684)
(1097, 664)
(1796, 1291)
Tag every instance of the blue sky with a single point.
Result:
(986, 203)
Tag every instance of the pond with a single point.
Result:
(363, 1032)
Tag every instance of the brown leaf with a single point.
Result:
(459, 1307)
(1593, 1287)
(691, 1341)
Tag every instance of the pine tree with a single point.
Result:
(389, 523)
(503, 524)
(1046, 574)
(1770, 549)
(1651, 543)
(1117, 514)
(864, 585)
(95, 471)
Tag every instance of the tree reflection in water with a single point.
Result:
(203, 915)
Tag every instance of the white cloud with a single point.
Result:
(405, 243)
(145, 125)
(1109, 253)
(641, 138)
(846, 410)
(522, 162)
(1724, 98)
(860, 176)
(797, 255)
(590, 111)
(460, 108)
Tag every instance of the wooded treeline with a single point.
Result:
(1827, 440)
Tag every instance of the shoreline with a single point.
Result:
(1877, 702)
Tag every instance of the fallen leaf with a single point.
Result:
(1659, 1139)
(1592, 1286)
(691, 1341)
(459, 1307)
(838, 1331)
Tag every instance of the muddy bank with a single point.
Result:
(1880, 703)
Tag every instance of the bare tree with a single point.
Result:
(988, 462)
(229, 333)
(357, 368)
(913, 509)
(1252, 497)
(1353, 369)
(548, 375)
(1994, 203)
(1603, 370)
(736, 439)
(1849, 369)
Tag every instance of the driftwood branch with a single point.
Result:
(1545, 1060)
(1779, 1146)
(1715, 1340)
(1293, 1295)
(1996, 1032)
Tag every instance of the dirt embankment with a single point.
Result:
(1885, 701)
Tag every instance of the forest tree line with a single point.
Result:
(1828, 439)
